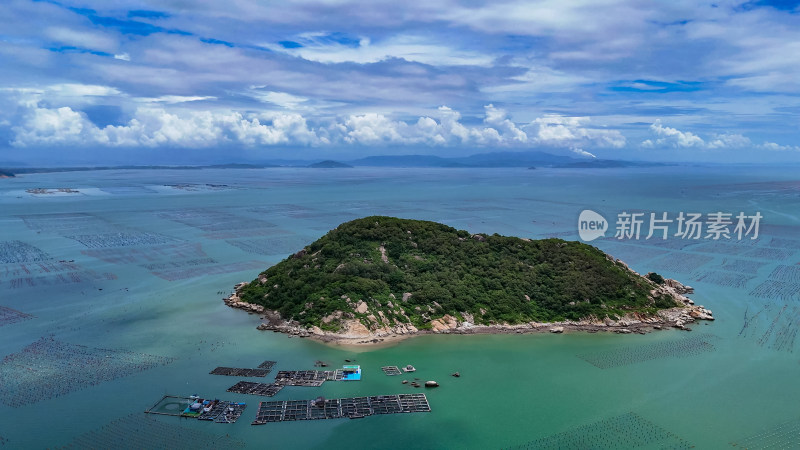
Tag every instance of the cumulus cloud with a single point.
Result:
(157, 127)
(672, 137)
(154, 125)
(573, 132)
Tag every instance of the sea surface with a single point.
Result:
(111, 297)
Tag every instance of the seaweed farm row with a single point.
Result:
(263, 370)
(624, 356)
(49, 368)
(785, 435)
(140, 431)
(9, 316)
(772, 326)
(13, 252)
(620, 432)
(126, 239)
(352, 408)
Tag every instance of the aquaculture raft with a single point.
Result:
(249, 387)
(263, 370)
(391, 370)
(351, 408)
(220, 411)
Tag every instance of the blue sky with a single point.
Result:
(147, 81)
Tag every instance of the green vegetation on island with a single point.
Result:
(413, 271)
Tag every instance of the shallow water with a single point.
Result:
(154, 251)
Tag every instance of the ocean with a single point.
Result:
(111, 297)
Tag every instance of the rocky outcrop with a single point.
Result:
(376, 327)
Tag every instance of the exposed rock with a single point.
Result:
(479, 237)
(361, 307)
(406, 296)
(384, 258)
(557, 329)
(300, 254)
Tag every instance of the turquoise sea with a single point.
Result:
(111, 297)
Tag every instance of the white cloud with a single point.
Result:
(563, 131)
(283, 99)
(122, 56)
(672, 137)
(319, 47)
(498, 119)
(153, 126)
(82, 38)
(171, 99)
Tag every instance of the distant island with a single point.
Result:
(382, 278)
(329, 164)
(523, 159)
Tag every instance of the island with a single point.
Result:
(329, 164)
(380, 278)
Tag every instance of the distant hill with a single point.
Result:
(605, 164)
(403, 161)
(329, 164)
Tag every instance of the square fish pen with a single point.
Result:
(352, 408)
(391, 370)
(252, 388)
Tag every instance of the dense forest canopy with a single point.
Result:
(447, 271)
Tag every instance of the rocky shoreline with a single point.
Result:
(356, 333)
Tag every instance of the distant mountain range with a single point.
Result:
(487, 160)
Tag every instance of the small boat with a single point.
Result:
(455, 374)
(409, 368)
(431, 383)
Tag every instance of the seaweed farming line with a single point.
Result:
(626, 431)
(59, 279)
(169, 265)
(785, 435)
(252, 388)
(49, 368)
(270, 246)
(681, 262)
(728, 279)
(777, 290)
(14, 252)
(780, 334)
(193, 272)
(262, 371)
(138, 431)
(624, 356)
(38, 268)
(9, 316)
(157, 253)
(126, 239)
(786, 273)
(742, 265)
(351, 408)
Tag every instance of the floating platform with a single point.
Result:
(351, 408)
(308, 378)
(391, 370)
(315, 378)
(219, 411)
(262, 371)
(262, 389)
